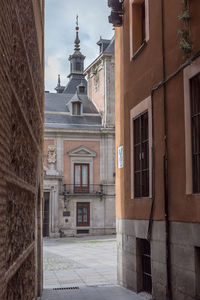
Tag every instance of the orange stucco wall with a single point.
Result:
(134, 82)
(70, 145)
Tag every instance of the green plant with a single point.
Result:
(185, 15)
(185, 34)
(186, 46)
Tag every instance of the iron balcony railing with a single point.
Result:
(72, 189)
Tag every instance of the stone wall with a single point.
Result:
(185, 261)
(129, 263)
(101, 83)
(102, 171)
(21, 136)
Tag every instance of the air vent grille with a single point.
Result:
(66, 288)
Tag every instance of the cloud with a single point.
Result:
(52, 68)
(60, 34)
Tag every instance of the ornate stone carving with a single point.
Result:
(51, 159)
(51, 156)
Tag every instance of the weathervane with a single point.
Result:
(77, 41)
(77, 28)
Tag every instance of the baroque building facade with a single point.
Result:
(21, 148)
(157, 60)
(79, 148)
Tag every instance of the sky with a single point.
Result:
(60, 23)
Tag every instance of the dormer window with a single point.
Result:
(76, 108)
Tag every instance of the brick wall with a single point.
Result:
(21, 136)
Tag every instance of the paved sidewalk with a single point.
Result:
(92, 293)
(83, 269)
(84, 261)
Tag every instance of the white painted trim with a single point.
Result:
(188, 73)
(81, 139)
(87, 152)
(82, 160)
(88, 125)
(68, 113)
(147, 24)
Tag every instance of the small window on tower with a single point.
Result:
(76, 108)
(78, 66)
(81, 89)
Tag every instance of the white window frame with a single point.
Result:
(131, 2)
(188, 73)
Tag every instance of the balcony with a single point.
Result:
(80, 190)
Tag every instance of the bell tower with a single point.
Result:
(77, 58)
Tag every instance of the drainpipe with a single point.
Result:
(149, 233)
(155, 88)
(165, 165)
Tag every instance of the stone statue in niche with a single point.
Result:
(51, 159)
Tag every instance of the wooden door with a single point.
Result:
(83, 214)
(81, 178)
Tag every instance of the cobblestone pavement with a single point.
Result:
(86, 261)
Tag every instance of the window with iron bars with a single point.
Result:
(141, 156)
(195, 129)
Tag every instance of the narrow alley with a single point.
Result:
(82, 268)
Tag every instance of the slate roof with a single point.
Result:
(111, 46)
(107, 46)
(68, 121)
(57, 106)
(74, 81)
(57, 112)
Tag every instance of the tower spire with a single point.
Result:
(59, 89)
(58, 80)
(77, 40)
(77, 20)
(77, 58)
